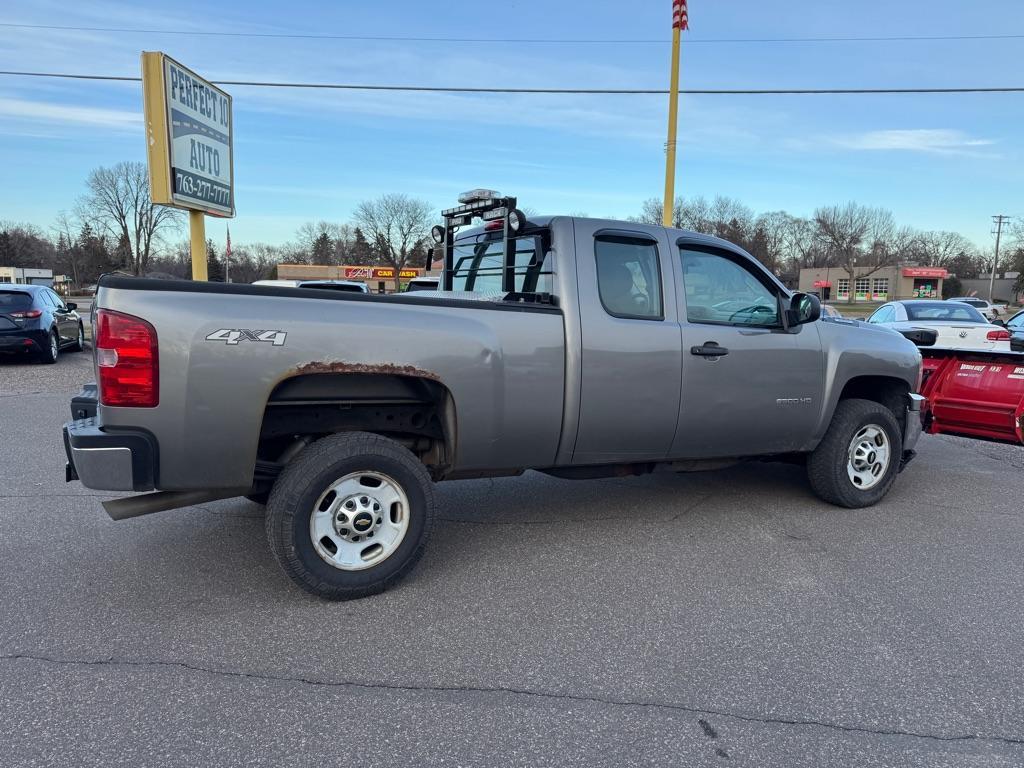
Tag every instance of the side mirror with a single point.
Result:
(862, 319)
(803, 308)
(71, 306)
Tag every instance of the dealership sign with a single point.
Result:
(924, 272)
(189, 138)
(379, 273)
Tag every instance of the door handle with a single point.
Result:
(709, 349)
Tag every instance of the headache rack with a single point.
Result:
(499, 213)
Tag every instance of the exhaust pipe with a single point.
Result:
(161, 501)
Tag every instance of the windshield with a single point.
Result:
(479, 261)
(946, 310)
(11, 301)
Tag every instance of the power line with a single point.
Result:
(584, 91)
(525, 40)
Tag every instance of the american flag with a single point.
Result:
(680, 19)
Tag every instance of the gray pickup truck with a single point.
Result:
(577, 347)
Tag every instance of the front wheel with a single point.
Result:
(350, 515)
(857, 462)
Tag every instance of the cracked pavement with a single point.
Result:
(715, 619)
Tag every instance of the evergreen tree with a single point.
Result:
(323, 249)
(6, 249)
(214, 266)
(360, 253)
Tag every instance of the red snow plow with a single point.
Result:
(973, 393)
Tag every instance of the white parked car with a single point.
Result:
(987, 308)
(350, 286)
(959, 325)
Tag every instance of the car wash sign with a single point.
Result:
(189, 133)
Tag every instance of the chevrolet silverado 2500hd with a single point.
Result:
(573, 346)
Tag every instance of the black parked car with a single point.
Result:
(35, 320)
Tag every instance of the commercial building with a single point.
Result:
(378, 279)
(873, 285)
(26, 276)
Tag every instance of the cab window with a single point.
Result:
(720, 289)
(628, 276)
(479, 264)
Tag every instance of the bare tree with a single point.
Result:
(396, 225)
(117, 202)
(858, 238)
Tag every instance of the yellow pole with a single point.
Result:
(197, 236)
(670, 146)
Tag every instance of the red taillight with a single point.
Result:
(998, 335)
(30, 314)
(127, 359)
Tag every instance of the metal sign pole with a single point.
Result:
(197, 238)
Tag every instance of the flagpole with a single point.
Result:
(668, 206)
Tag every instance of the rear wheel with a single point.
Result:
(51, 349)
(857, 462)
(350, 515)
(80, 341)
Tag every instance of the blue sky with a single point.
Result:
(938, 161)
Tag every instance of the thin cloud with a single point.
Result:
(52, 113)
(943, 141)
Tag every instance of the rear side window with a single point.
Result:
(12, 301)
(884, 315)
(629, 277)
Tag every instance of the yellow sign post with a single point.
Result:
(680, 21)
(189, 147)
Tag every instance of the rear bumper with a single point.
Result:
(108, 460)
(19, 339)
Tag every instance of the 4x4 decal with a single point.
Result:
(235, 335)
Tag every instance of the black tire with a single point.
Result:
(79, 345)
(51, 351)
(305, 479)
(827, 464)
(259, 497)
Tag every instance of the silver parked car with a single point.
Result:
(987, 308)
(959, 325)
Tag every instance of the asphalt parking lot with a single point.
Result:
(716, 619)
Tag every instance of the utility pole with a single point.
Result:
(998, 220)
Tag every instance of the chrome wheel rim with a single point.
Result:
(359, 521)
(53, 345)
(869, 457)
(81, 336)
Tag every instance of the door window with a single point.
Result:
(883, 315)
(1017, 321)
(56, 300)
(724, 291)
(629, 277)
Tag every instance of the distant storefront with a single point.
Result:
(884, 284)
(26, 276)
(378, 279)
